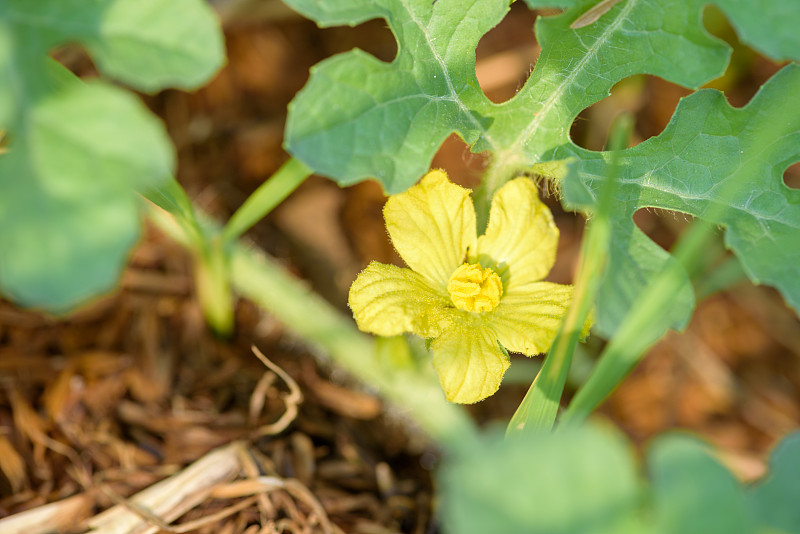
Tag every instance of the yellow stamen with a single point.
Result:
(475, 289)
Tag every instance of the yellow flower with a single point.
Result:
(468, 294)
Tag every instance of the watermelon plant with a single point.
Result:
(81, 156)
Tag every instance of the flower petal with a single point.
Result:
(387, 300)
(521, 238)
(469, 362)
(431, 226)
(528, 318)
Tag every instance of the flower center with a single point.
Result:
(475, 289)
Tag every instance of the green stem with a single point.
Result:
(501, 171)
(210, 260)
(265, 198)
(213, 285)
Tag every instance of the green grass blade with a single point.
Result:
(539, 408)
(642, 327)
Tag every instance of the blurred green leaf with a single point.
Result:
(692, 492)
(148, 44)
(774, 499)
(769, 26)
(170, 196)
(338, 12)
(535, 4)
(67, 207)
(77, 153)
(6, 77)
(581, 480)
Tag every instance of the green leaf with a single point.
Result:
(774, 499)
(336, 13)
(148, 44)
(578, 480)
(67, 209)
(692, 492)
(6, 77)
(715, 162)
(769, 26)
(584, 479)
(577, 68)
(78, 153)
(359, 117)
(170, 196)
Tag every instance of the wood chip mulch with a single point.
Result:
(132, 405)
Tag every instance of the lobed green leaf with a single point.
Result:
(359, 117)
(769, 26)
(716, 162)
(577, 68)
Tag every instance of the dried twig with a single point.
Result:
(593, 14)
(265, 507)
(54, 517)
(291, 486)
(155, 507)
(190, 526)
(292, 400)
